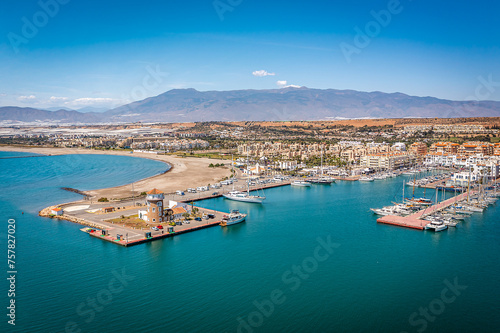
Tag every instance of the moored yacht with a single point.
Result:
(365, 179)
(436, 226)
(300, 183)
(243, 197)
(234, 217)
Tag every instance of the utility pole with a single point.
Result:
(133, 195)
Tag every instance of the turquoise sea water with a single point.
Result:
(372, 278)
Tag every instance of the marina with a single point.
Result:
(108, 227)
(233, 259)
(432, 216)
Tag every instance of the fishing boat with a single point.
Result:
(300, 183)
(234, 217)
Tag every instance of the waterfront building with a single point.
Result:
(154, 201)
(387, 161)
(57, 211)
(178, 212)
(462, 178)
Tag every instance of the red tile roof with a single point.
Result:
(155, 191)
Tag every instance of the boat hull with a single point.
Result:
(245, 199)
(232, 222)
(301, 184)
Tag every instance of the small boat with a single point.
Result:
(300, 183)
(365, 179)
(420, 201)
(234, 217)
(322, 181)
(474, 209)
(436, 226)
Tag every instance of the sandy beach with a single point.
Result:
(186, 172)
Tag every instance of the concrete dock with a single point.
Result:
(154, 236)
(417, 220)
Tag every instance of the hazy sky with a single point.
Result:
(76, 53)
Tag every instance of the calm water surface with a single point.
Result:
(373, 279)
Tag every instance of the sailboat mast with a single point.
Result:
(248, 173)
(321, 162)
(468, 186)
(414, 181)
(404, 190)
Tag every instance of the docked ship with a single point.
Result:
(234, 217)
(244, 197)
(322, 181)
(365, 179)
(300, 183)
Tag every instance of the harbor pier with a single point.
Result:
(417, 220)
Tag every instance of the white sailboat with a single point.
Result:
(243, 196)
(322, 180)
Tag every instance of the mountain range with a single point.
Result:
(186, 105)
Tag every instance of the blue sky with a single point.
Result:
(107, 53)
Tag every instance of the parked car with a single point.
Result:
(160, 226)
(215, 193)
(211, 216)
(154, 228)
(179, 193)
(186, 222)
(197, 218)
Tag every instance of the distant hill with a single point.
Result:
(88, 109)
(17, 114)
(185, 105)
(57, 108)
(293, 104)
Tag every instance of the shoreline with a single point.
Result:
(184, 172)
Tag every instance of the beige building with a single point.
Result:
(387, 161)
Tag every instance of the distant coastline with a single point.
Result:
(182, 173)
